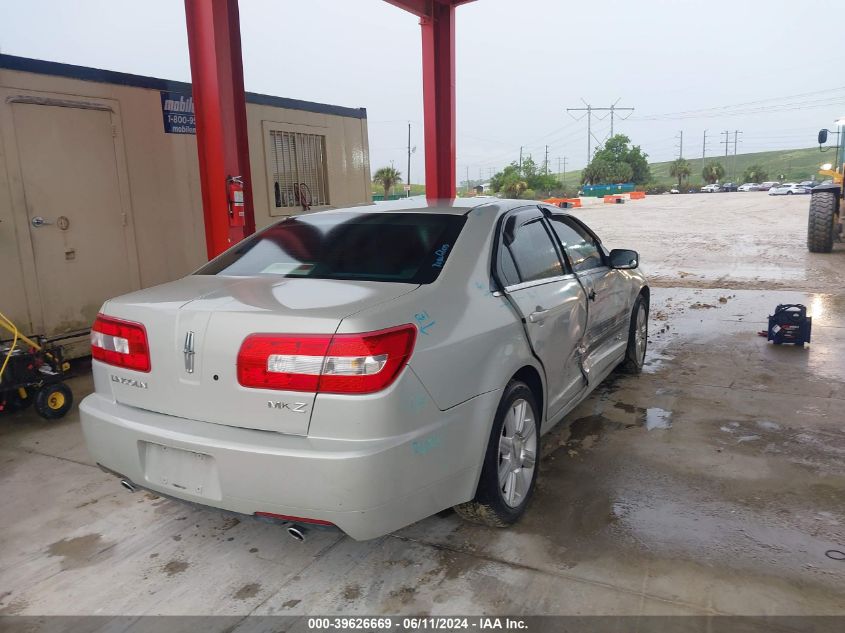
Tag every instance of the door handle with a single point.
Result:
(538, 316)
(39, 221)
(592, 295)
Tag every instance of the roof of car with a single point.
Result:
(419, 204)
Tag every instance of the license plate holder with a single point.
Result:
(182, 471)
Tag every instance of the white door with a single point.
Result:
(550, 300)
(79, 228)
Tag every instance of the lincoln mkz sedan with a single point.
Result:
(365, 368)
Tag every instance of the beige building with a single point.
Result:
(99, 182)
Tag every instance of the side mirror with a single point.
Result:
(622, 258)
(822, 137)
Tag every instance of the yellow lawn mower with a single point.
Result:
(32, 370)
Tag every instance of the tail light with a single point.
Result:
(343, 363)
(120, 343)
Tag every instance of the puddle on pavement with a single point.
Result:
(657, 418)
(651, 418)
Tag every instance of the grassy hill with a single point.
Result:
(793, 164)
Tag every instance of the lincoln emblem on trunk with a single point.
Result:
(188, 351)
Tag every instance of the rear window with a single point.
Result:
(395, 247)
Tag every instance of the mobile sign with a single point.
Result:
(177, 110)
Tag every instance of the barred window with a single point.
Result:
(299, 169)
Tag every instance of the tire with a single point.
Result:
(789, 193)
(637, 338)
(821, 225)
(13, 402)
(506, 486)
(53, 401)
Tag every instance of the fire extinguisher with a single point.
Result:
(235, 194)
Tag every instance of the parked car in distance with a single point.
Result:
(674, 190)
(714, 188)
(787, 189)
(749, 186)
(808, 184)
(728, 186)
(365, 368)
(765, 186)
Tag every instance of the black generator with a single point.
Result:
(790, 324)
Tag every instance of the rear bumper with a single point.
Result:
(366, 488)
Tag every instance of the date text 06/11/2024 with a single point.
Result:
(416, 623)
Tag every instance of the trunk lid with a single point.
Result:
(216, 314)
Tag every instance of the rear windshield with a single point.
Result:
(396, 247)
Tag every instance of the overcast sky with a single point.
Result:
(771, 69)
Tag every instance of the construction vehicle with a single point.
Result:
(824, 225)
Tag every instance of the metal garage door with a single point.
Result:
(83, 250)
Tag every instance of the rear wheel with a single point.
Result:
(821, 225)
(15, 400)
(53, 401)
(510, 463)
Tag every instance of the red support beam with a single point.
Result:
(437, 19)
(214, 43)
(438, 62)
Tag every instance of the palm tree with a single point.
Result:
(713, 172)
(756, 173)
(680, 169)
(387, 177)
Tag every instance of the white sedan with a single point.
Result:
(365, 368)
(787, 189)
(749, 186)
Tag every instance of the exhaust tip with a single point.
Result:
(298, 532)
(128, 485)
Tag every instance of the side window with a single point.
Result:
(534, 253)
(508, 268)
(580, 247)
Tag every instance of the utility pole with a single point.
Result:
(589, 114)
(736, 135)
(727, 134)
(613, 109)
(546, 162)
(520, 160)
(409, 162)
(559, 159)
(681, 145)
(467, 178)
(703, 148)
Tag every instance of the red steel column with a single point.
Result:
(214, 43)
(438, 61)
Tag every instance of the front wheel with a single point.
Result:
(821, 225)
(510, 463)
(637, 338)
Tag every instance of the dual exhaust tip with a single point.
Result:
(297, 532)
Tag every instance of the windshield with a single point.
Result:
(395, 247)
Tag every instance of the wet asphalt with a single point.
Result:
(713, 483)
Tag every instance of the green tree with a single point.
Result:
(511, 182)
(617, 162)
(681, 170)
(756, 173)
(712, 172)
(387, 177)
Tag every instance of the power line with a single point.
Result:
(589, 114)
(740, 105)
